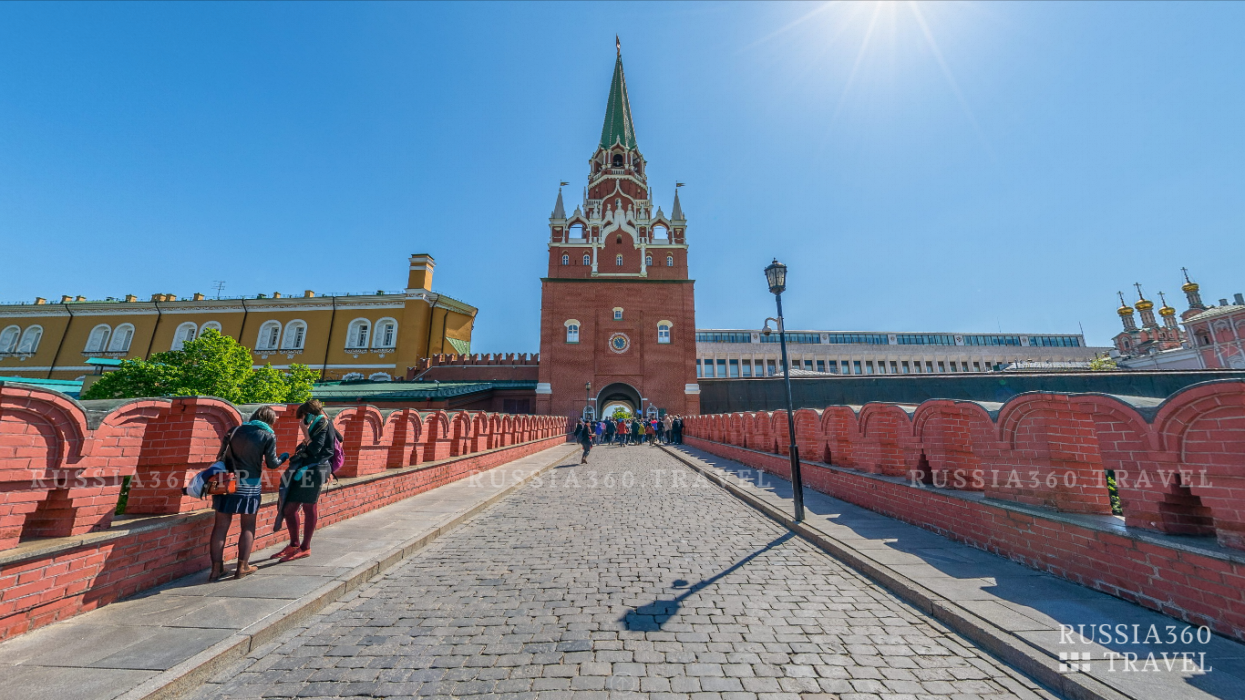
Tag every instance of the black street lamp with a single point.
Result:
(776, 275)
(588, 400)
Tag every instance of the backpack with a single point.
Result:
(339, 455)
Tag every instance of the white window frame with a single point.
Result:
(97, 341)
(618, 313)
(9, 337)
(648, 261)
(669, 261)
(352, 334)
(179, 336)
(664, 326)
(572, 330)
(587, 259)
(618, 260)
(566, 258)
(122, 337)
(267, 340)
(211, 325)
(291, 337)
(30, 339)
(378, 338)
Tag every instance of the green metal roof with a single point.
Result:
(462, 347)
(409, 391)
(618, 126)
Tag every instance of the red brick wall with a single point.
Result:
(1180, 467)
(659, 372)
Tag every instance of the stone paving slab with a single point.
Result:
(627, 577)
(1021, 607)
(163, 641)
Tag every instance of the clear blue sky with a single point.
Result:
(1041, 157)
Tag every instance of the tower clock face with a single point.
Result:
(619, 343)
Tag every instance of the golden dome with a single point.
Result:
(1144, 305)
(1125, 310)
(1189, 287)
(1167, 311)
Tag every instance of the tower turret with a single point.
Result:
(1192, 293)
(1169, 314)
(1126, 314)
(1146, 307)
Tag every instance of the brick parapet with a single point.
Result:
(48, 580)
(63, 463)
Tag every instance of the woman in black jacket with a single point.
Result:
(244, 452)
(308, 471)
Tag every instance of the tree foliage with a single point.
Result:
(210, 365)
(1102, 364)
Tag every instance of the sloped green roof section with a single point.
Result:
(462, 347)
(618, 126)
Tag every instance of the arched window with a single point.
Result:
(618, 260)
(663, 332)
(184, 334)
(669, 261)
(30, 339)
(380, 377)
(386, 333)
(661, 232)
(587, 259)
(566, 259)
(576, 231)
(572, 331)
(269, 335)
(618, 160)
(352, 376)
(121, 338)
(98, 340)
(648, 260)
(211, 326)
(8, 338)
(294, 336)
(358, 333)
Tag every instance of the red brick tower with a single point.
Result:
(617, 307)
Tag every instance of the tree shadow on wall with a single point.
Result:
(651, 617)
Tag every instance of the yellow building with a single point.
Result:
(374, 335)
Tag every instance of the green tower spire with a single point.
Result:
(618, 126)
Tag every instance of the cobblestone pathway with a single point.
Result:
(625, 576)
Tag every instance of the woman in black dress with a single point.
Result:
(244, 452)
(308, 471)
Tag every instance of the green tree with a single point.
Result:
(210, 365)
(1102, 364)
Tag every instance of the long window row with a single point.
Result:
(1055, 341)
(618, 260)
(724, 337)
(858, 339)
(924, 339)
(803, 338)
(992, 340)
(724, 368)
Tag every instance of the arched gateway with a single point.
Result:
(617, 307)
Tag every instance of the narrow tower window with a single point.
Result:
(566, 259)
(587, 259)
(669, 261)
(648, 260)
(618, 260)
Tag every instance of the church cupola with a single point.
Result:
(1146, 308)
(1192, 293)
(1168, 313)
(1126, 314)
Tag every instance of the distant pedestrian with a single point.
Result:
(583, 435)
(620, 432)
(659, 429)
(244, 451)
(609, 430)
(635, 431)
(600, 430)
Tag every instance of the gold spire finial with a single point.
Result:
(1125, 309)
(1165, 310)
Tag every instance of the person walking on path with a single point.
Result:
(659, 430)
(668, 421)
(309, 469)
(600, 429)
(609, 431)
(678, 430)
(244, 451)
(583, 435)
(635, 431)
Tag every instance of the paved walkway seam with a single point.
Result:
(189, 674)
(1023, 656)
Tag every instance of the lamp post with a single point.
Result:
(587, 399)
(776, 275)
